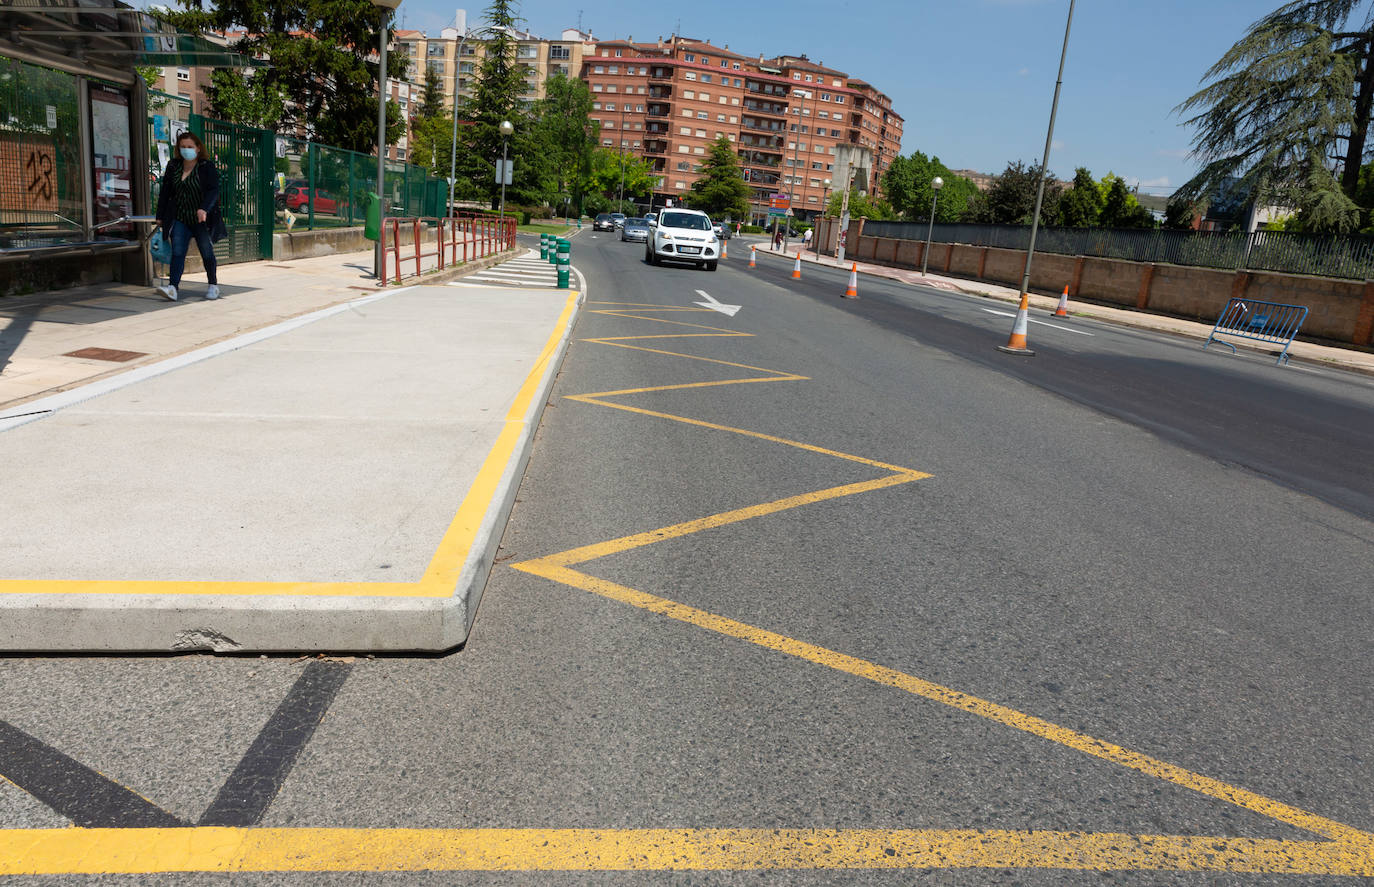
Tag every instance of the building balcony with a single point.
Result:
(754, 125)
(660, 73)
(658, 110)
(660, 91)
(655, 146)
(770, 109)
(656, 128)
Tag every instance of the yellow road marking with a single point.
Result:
(1092, 851)
(445, 565)
(209, 849)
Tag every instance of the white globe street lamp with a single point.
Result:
(506, 129)
(935, 185)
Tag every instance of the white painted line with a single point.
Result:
(727, 310)
(1041, 322)
(497, 278)
(47, 406)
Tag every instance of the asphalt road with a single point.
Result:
(827, 565)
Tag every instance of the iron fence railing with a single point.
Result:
(1348, 256)
(327, 187)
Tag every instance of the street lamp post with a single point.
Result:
(796, 145)
(621, 206)
(506, 129)
(825, 194)
(383, 7)
(453, 146)
(935, 185)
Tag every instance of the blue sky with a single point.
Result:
(972, 78)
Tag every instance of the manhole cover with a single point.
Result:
(111, 354)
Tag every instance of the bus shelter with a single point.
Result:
(76, 156)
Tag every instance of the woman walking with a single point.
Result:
(188, 208)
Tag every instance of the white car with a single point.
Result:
(683, 235)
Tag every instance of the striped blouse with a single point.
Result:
(188, 198)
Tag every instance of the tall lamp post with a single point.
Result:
(935, 185)
(1044, 171)
(383, 7)
(825, 194)
(453, 146)
(506, 129)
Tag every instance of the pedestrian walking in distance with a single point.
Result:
(188, 209)
(806, 238)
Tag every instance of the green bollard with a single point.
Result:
(544, 246)
(553, 249)
(564, 263)
(579, 223)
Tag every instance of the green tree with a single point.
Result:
(1287, 103)
(565, 134)
(1081, 205)
(322, 54)
(1011, 199)
(432, 98)
(721, 192)
(497, 95)
(907, 186)
(860, 204)
(604, 175)
(1120, 209)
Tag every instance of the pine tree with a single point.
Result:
(432, 99)
(1287, 112)
(1081, 205)
(721, 192)
(497, 95)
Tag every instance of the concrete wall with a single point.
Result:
(1339, 310)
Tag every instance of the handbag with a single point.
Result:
(159, 248)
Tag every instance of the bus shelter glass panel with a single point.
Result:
(42, 198)
(111, 155)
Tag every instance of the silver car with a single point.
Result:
(636, 230)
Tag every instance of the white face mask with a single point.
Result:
(188, 153)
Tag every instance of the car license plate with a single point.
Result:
(689, 250)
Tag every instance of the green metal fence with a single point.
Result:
(244, 156)
(320, 186)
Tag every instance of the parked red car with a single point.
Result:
(299, 199)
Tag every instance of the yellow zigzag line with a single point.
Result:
(1349, 851)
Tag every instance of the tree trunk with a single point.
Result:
(1359, 129)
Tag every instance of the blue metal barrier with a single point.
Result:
(1264, 321)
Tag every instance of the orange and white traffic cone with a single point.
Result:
(853, 291)
(752, 249)
(1017, 343)
(796, 269)
(725, 249)
(1063, 309)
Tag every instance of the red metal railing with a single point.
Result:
(463, 238)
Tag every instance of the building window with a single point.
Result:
(681, 186)
(734, 119)
(796, 75)
(686, 94)
(599, 69)
(683, 149)
(685, 130)
(596, 87)
(720, 118)
(613, 69)
(617, 55)
(812, 198)
(596, 106)
(684, 165)
(610, 87)
(705, 96)
(698, 150)
(639, 108)
(706, 60)
(183, 73)
(686, 112)
(689, 75)
(701, 133)
(701, 115)
(610, 106)
(839, 100)
(560, 52)
(606, 142)
(689, 56)
(705, 78)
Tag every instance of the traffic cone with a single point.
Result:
(796, 269)
(751, 255)
(725, 249)
(1063, 309)
(1017, 343)
(853, 291)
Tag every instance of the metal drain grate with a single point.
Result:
(110, 354)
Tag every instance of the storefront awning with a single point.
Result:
(104, 38)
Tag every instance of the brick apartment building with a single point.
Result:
(795, 123)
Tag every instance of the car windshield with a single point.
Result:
(690, 221)
(636, 223)
(603, 217)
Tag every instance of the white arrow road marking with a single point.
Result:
(728, 310)
(1041, 322)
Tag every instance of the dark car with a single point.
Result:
(635, 229)
(604, 222)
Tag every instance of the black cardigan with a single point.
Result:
(209, 198)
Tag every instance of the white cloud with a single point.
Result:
(1023, 72)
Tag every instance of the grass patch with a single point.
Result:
(557, 228)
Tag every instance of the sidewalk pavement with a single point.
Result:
(336, 481)
(1328, 355)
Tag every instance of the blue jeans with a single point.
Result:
(181, 245)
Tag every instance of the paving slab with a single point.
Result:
(338, 482)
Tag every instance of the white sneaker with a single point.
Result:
(212, 293)
(168, 291)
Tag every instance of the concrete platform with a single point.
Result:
(338, 482)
